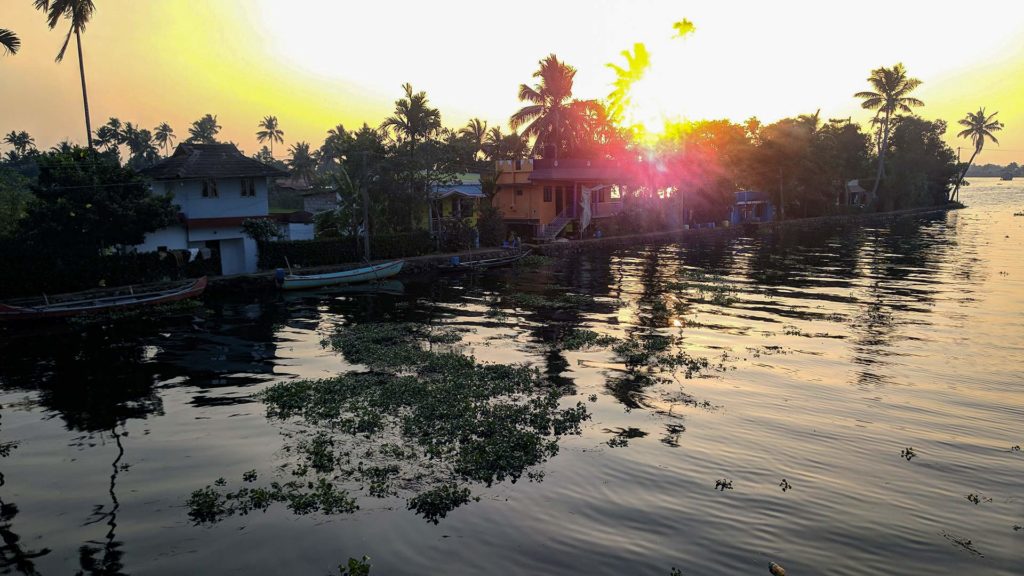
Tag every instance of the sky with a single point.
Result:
(315, 64)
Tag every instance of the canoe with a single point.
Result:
(366, 274)
(98, 301)
(484, 263)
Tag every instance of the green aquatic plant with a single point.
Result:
(356, 567)
(723, 484)
(536, 261)
(580, 339)
(420, 421)
(785, 485)
(562, 301)
(908, 453)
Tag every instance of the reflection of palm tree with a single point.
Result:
(978, 128)
(110, 564)
(891, 89)
(9, 41)
(79, 12)
(270, 132)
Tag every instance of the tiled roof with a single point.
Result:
(209, 161)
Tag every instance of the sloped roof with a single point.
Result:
(191, 161)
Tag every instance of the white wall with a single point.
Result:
(298, 231)
(188, 195)
(173, 237)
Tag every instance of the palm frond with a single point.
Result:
(10, 41)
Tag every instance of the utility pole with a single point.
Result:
(365, 197)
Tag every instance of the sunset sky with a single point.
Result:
(315, 64)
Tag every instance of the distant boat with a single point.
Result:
(1006, 176)
(93, 301)
(484, 263)
(365, 274)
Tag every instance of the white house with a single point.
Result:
(216, 188)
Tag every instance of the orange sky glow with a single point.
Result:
(315, 64)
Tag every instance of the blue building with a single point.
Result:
(751, 206)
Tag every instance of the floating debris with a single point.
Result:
(963, 543)
(978, 498)
(908, 453)
(776, 570)
(785, 485)
(723, 484)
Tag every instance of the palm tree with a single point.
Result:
(811, 121)
(978, 127)
(110, 135)
(9, 41)
(891, 88)
(79, 12)
(637, 64)
(552, 116)
(204, 130)
(302, 162)
(476, 131)
(270, 131)
(22, 142)
(163, 135)
(414, 120)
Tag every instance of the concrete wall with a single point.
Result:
(188, 195)
(173, 237)
(298, 231)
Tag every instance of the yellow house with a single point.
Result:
(541, 197)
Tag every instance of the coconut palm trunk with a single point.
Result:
(881, 157)
(85, 93)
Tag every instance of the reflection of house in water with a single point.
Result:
(543, 197)
(751, 206)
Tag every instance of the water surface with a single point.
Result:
(838, 349)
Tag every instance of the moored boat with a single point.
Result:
(99, 301)
(484, 262)
(365, 274)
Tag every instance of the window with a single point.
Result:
(519, 192)
(519, 165)
(547, 193)
(615, 193)
(209, 188)
(248, 187)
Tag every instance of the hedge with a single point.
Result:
(309, 253)
(25, 272)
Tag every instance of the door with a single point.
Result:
(559, 205)
(570, 200)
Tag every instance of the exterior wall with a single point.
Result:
(237, 251)
(173, 237)
(188, 195)
(298, 231)
(316, 203)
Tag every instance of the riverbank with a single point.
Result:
(420, 265)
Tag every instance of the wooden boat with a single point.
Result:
(365, 274)
(485, 262)
(98, 301)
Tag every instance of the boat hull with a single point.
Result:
(486, 263)
(100, 304)
(366, 274)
